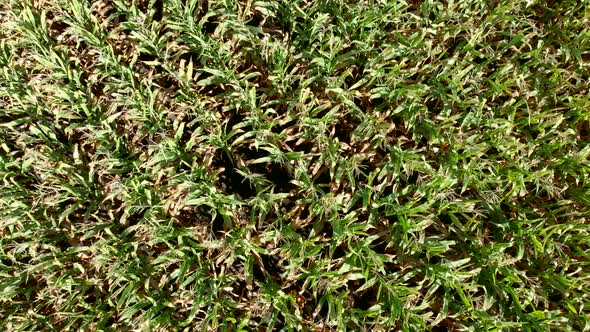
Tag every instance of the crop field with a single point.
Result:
(294, 165)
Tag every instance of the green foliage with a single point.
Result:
(294, 165)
